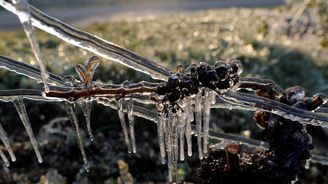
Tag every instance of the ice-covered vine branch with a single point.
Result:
(92, 43)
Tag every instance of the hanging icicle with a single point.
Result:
(5, 141)
(131, 124)
(172, 143)
(175, 148)
(189, 118)
(72, 116)
(20, 107)
(181, 128)
(4, 158)
(121, 116)
(181, 139)
(198, 120)
(207, 99)
(161, 133)
(86, 109)
(168, 140)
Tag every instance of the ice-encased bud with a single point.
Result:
(204, 65)
(236, 66)
(173, 81)
(221, 69)
(192, 70)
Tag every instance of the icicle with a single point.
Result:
(121, 116)
(181, 128)
(23, 13)
(20, 107)
(207, 99)
(198, 119)
(175, 153)
(5, 141)
(188, 120)
(168, 139)
(188, 112)
(172, 146)
(131, 124)
(72, 117)
(181, 133)
(307, 163)
(161, 132)
(86, 108)
(4, 158)
(213, 97)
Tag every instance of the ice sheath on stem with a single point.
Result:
(5, 141)
(72, 117)
(20, 107)
(23, 13)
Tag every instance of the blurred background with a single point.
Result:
(285, 41)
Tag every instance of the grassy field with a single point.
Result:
(263, 39)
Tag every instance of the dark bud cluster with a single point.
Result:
(220, 77)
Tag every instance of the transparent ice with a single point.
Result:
(4, 158)
(86, 109)
(161, 139)
(121, 115)
(72, 117)
(23, 13)
(189, 118)
(131, 124)
(5, 141)
(90, 42)
(198, 120)
(207, 99)
(172, 129)
(20, 107)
